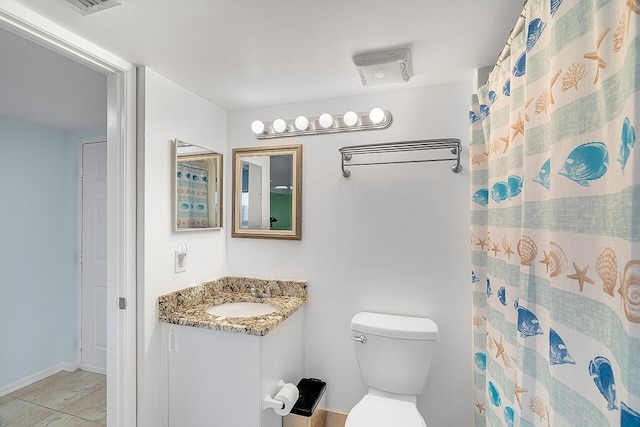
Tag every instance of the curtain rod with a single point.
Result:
(517, 29)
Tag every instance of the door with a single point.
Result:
(93, 286)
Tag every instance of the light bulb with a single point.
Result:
(257, 127)
(350, 118)
(302, 123)
(325, 120)
(376, 115)
(279, 125)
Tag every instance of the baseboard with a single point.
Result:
(93, 369)
(23, 382)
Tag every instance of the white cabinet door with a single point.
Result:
(214, 378)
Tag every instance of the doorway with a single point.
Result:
(121, 196)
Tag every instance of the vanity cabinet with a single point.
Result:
(219, 379)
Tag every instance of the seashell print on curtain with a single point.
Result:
(555, 221)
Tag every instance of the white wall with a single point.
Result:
(390, 239)
(167, 111)
(39, 253)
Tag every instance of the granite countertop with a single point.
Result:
(187, 306)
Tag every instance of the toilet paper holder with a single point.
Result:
(283, 400)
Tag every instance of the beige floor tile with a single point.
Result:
(38, 384)
(18, 413)
(5, 399)
(92, 407)
(59, 419)
(67, 390)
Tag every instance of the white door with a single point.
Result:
(93, 288)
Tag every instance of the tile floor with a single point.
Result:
(65, 399)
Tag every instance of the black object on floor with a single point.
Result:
(311, 391)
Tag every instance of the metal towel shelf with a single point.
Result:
(452, 144)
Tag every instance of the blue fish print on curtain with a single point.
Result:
(533, 33)
(509, 416)
(473, 117)
(602, 374)
(494, 395)
(474, 277)
(544, 175)
(481, 361)
(489, 291)
(484, 111)
(502, 295)
(506, 89)
(520, 68)
(558, 353)
(554, 5)
(628, 141)
(481, 197)
(492, 96)
(587, 162)
(500, 191)
(628, 417)
(528, 324)
(515, 185)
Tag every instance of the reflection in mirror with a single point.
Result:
(198, 187)
(267, 192)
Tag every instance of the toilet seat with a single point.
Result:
(374, 411)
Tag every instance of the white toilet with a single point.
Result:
(394, 355)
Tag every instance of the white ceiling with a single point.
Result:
(43, 87)
(251, 53)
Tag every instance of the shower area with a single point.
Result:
(555, 220)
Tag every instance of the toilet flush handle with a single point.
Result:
(361, 339)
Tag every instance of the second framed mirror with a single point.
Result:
(267, 192)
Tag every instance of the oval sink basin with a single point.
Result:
(241, 309)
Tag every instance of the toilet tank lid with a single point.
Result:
(394, 326)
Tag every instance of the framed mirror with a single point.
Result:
(267, 192)
(198, 188)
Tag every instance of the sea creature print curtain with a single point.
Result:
(192, 196)
(555, 221)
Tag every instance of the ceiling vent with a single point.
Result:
(384, 67)
(87, 7)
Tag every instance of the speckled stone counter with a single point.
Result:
(187, 306)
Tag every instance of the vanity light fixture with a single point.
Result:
(351, 121)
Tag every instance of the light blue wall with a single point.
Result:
(38, 249)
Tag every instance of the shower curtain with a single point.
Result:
(192, 196)
(555, 221)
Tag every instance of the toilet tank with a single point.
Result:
(396, 355)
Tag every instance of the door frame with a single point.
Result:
(121, 195)
(80, 243)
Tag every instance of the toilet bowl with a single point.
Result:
(394, 356)
(374, 411)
